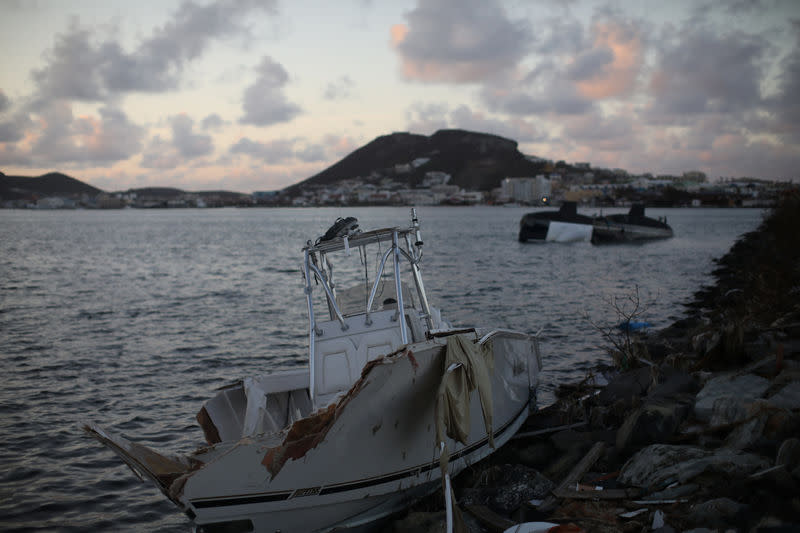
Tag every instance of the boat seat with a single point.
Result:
(340, 356)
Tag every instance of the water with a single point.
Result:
(133, 318)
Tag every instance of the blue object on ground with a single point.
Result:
(633, 326)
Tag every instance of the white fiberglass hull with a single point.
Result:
(568, 232)
(378, 454)
(368, 454)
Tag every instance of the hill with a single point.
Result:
(51, 184)
(477, 161)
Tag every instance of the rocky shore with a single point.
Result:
(700, 432)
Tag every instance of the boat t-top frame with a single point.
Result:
(404, 244)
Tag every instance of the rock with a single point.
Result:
(654, 422)
(674, 493)
(671, 383)
(747, 433)
(736, 389)
(788, 397)
(719, 513)
(789, 454)
(729, 410)
(506, 488)
(659, 465)
(627, 387)
(782, 424)
(518, 484)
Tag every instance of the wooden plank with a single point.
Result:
(547, 430)
(574, 475)
(611, 494)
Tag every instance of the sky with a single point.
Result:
(255, 95)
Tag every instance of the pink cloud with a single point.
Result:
(617, 78)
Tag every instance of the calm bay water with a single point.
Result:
(133, 318)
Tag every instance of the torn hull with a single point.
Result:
(393, 400)
(368, 454)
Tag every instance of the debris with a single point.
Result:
(658, 519)
(573, 477)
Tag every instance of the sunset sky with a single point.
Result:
(249, 95)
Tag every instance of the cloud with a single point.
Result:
(312, 153)
(459, 41)
(188, 143)
(264, 101)
(184, 146)
(552, 94)
(72, 69)
(273, 152)
(609, 133)
(78, 68)
(84, 140)
(427, 118)
(339, 89)
(161, 154)
(13, 128)
(11, 155)
(212, 122)
(5, 102)
(282, 151)
(784, 105)
(569, 76)
(610, 68)
(699, 71)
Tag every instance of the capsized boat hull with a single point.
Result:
(630, 227)
(368, 454)
(564, 225)
(611, 232)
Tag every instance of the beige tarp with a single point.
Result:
(467, 366)
(473, 365)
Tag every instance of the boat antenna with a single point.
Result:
(415, 225)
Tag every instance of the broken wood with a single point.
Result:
(611, 494)
(574, 475)
(545, 431)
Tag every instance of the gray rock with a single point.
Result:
(739, 389)
(789, 454)
(729, 410)
(718, 513)
(659, 465)
(747, 433)
(672, 383)
(674, 493)
(788, 397)
(627, 387)
(518, 484)
(653, 422)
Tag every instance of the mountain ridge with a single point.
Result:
(474, 160)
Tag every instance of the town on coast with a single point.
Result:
(450, 167)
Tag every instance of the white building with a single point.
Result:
(526, 190)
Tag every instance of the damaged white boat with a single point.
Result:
(394, 401)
